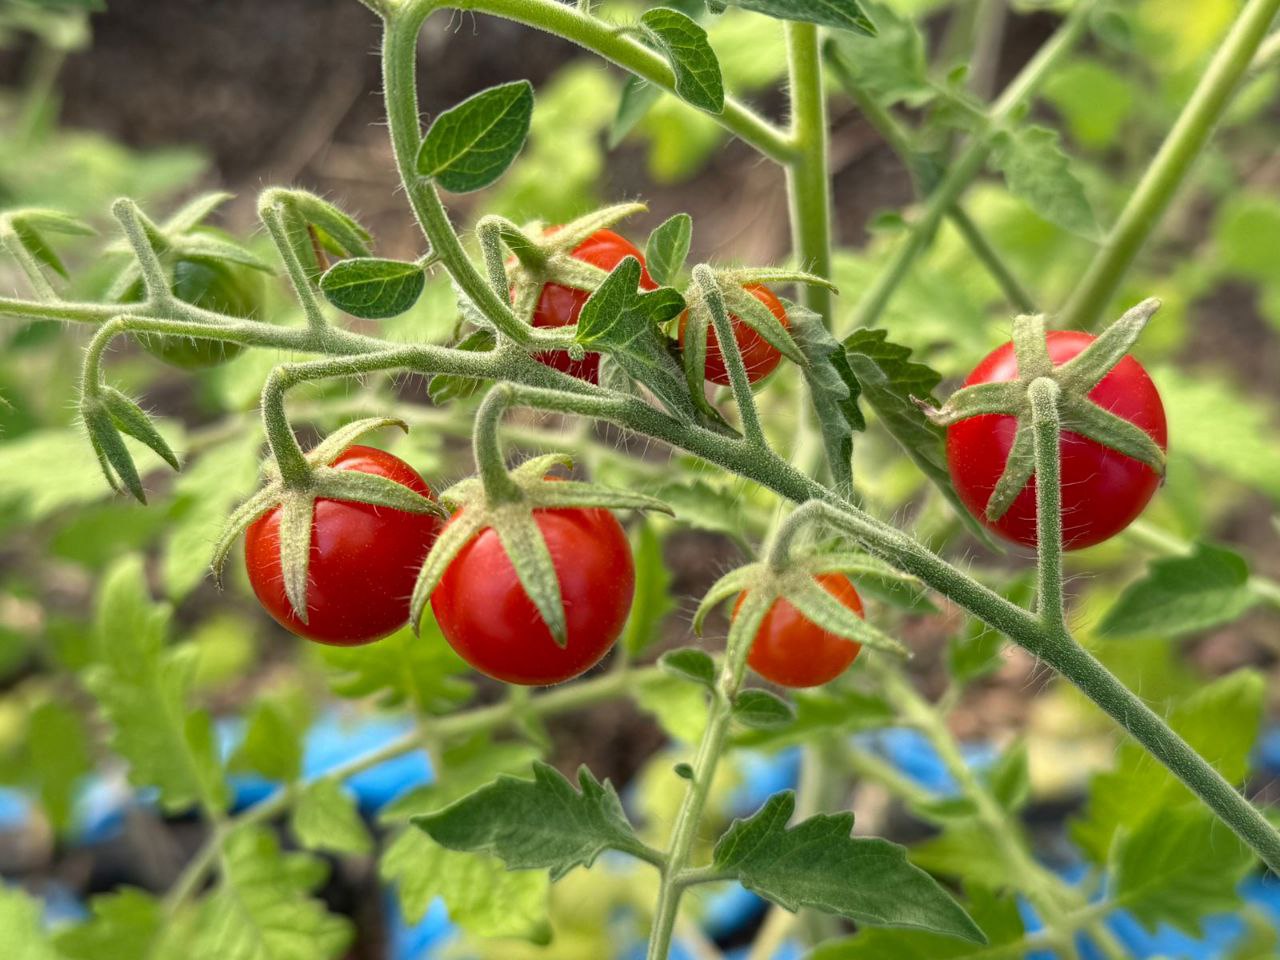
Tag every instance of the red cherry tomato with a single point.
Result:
(559, 306)
(792, 651)
(758, 355)
(1103, 490)
(364, 559)
(487, 617)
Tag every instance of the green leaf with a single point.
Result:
(690, 663)
(680, 707)
(818, 864)
(142, 688)
(761, 709)
(652, 600)
(482, 896)
(684, 43)
(833, 388)
(128, 923)
(1220, 722)
(626, 324)
(261, 910)
(891, 66)
(21, 931)
(1177, 867)
(1183, 594)
(373, 289)
(420, 671)
(667, 248)
(1010, 778)
(1095, 101)
(272, 744)
(471, 145)
(841, 14)
(57, 756)
(446, 387)
(637, 97)
(821, 712)
(963, 850)
(536, 824)
(325, 818)
(1036, 170)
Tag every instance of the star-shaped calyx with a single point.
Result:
(1077, 412)
(297, 499)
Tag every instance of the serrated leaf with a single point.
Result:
(684, 43)
(820, 712)
(652, 600)
(373, 289)
(542, 823)
(818, 864)
(471, 145)
(841, 14)
(668, 247)
(891, 66)
(761, 709)
(1010, 778)
(261, 910)
(482, 896)
(57, 756)
(325, 818)
(129, 923)
(1183, 594)
(272, 744)
(1177, 867)
(690, 663)
(833, 389)
(1037, 170)
(679, 707)
(422, 671)
(21, 930)
(142, 688)
(1220, 722)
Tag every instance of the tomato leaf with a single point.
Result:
(841, 14)
(817, 864)
(761, 709)
(325, 818)
(470, 146)
(129, 923)
(421, 671)
(1183, 594)
(373, 289)
(690, 663)
(667, 248)
(821, 712)
(445, 387)
(832, 387)
(652, 598)
(890, 67)
(1036, 169)
(21, 927)
(637, 98)
(543, 823)
(684, 43)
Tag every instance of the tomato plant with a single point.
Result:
(363, 559)
(398, 784)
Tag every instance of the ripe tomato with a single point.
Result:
(792, 651)
(559, 306)
(364, 559)
(758, 355)
(1103, 490)
(213, 285)
(490, 621)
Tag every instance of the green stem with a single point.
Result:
(1047, 432)
(498, 485)
(970, 163)
(1000, 271)
(808, 177)
(272, 216)
(1154, 192)
(705, 281)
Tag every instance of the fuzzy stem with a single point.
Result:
(709, 290)
(1047, 434)
(272, 216)
(498, 485)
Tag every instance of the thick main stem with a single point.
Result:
(1154, 192)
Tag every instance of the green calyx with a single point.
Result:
(508, 509)
(296, 499)
(1074, 379)
(794, 579)
(523, 260)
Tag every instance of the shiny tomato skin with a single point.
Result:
(1103, 491)
(759, 356)
(559, 306)
(364, 559)
(487, 617)
(792, 651)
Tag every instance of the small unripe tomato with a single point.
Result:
(559, 306)
(793, 651)
(759, 356)
(364, 559)
(1103, 490)
(211, 285)
(487, 617)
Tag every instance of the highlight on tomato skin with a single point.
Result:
(560, 306)
(486, 616)
(1103, 490)
(759, 356)
(793, 651)
(364, 559)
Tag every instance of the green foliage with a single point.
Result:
(373, 289)
(1184, 594)
(685, 45)
(325, 818)
(667, 248)
(761, 709)
(690, 663)
(1036, 170)
(653, 599)
(841, 14)
(469, 146)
